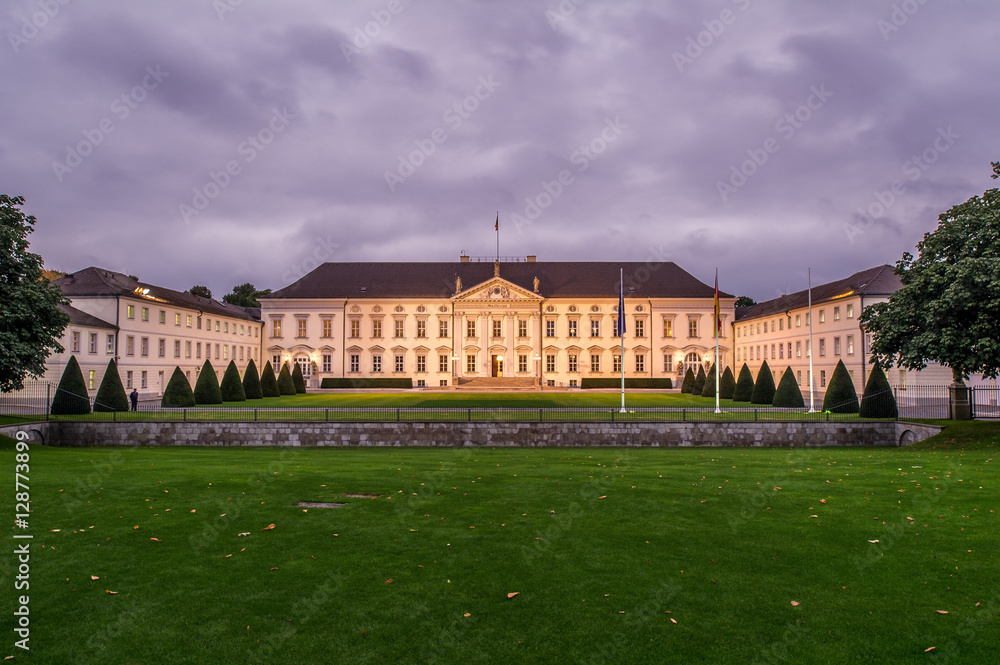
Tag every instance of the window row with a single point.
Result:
(194, 321)
(781, 323)
(782, 350)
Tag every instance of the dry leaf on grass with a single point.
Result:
(268, 527)
(94, 577)
(156, 540)
(941, 611)
(795, 603)
(512, 594)
(113, 593)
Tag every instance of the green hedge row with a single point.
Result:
(657, 384)
(366, 383)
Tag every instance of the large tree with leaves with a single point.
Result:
(244, 295)
(31, 322)
(947, 310)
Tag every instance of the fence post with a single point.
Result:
(755, 415)
(397, 415)
(540, 416)
(684, 415)
(470, 414)
(185, 414)
(48, 400)
(326, 416)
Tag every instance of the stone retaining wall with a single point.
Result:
(759, 434)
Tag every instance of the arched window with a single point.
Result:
(692, 361)
(305, 364)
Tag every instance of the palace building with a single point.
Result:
(493, 323)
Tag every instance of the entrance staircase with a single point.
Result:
(497, 383)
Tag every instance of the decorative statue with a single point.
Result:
(536, 284)
(496, 268)
(458, 284)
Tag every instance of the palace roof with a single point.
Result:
(79, 318)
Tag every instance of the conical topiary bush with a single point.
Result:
(268, 383)
(878, 400)
(788, 393)
(840, 394)
(298, 379)
(285, 384)
(71, 396)
(231, 387)
(688, 384)
(763, 387)
(699, 381)
(727, 384)
(708, 390)
(111, 394)
(178, 391)
(251, 381)
(206, 389)
(744, 385)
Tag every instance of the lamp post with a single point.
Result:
(538, 369)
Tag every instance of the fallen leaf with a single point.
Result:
(389, 581)
(673, 620)
(275, 568)
(113, 593)
(873, 541)
(929, 649)
(941, 611)
(603, 497)
(795, 603)
(94, 577)
(227, 556)
(245, 533)
(512, 594)
(136, 526)
(155, 539)
(467, 615)
(54, 530)
(268, 527)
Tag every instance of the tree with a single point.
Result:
(840, 394)
(744, 385)
(699, 381)
(788, 392)
(688, 384)
(298, 379)
(286, 386)
(245, 295)
(178, 391)
(745, 301)
(111, 393)
(763, 387)
(878, 400)
(727, 384)
(206, 389)
(232, 385)
(947, 310)
(708, 390)
(31, 322)
(251, 381)
(269, 384)
(71, 396)
(203, 291)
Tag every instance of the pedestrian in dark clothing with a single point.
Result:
(134, 396)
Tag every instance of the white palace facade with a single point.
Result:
(512, 322)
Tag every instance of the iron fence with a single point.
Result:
(984, 401)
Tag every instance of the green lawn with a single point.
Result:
(605, 547)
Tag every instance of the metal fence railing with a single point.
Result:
(985, 401)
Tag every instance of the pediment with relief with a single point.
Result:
(494, 289)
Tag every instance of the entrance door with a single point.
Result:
(496, 366)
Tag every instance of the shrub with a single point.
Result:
(727, 385)
(298, 380)
(206, 389)
(268, 384)
(347, 384)
(111, 394)
(840, 394)
(658, 384)
(763, 388)
(286, 386)
(788, 392)
(699, 381)
(688, 384)
(251, 381)
(708, 390)
(232, 386)
(71, 396)
(178, 391)
(744, 385)
(878, 400)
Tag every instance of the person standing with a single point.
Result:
(134, 397)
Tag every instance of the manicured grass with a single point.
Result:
(604, 546)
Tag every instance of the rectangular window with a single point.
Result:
(616, 364)
(355, 328)
(822, 378)
(668, 327)
(470, 363)
(772, 352)
(130, 311)
(225, 327)
(208, 324)
(572, 383)
(522, 328)
(668, 362)
(421, 383)
(218, 326)
(550, 362)
(595, 328)
(798, 320)
(692, 327)
(640, 328)
(144, 346)
(595, 362)
(398, 363)
(90, 379)
(217, 353)
(574, 363)
(822, 347)
(198, 323)
(128, 380)
(614, 328)
(850, 345)
(798, 377)
(163, 317)
(550, 328)
(300, 328)
(327, 362)
(189, 320)
(110, 345)
(327, 328)
(355, 362)
(376, 328)
(798, 349)
(442, 362)
(470, 328)
(850, 311)
(781, 351)
(145, 315)
(161, 349)
(242, 328)
(421, 328)
(275, 360)
(177, 348)
(640, 363)
(522, 363)
(93, 343)
(397, 328)
(75, 343)
(187, 349)
(836, 313)
(275, 327)
(197, 350)
(781, 324)
(442, 327)
(144, 379)
(421, 363)
(377, 363)
(497, 328)
(572, 328)
(836, 346)
(822, 316)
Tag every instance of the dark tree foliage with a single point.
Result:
(251, 381)
(763, 388)
(744, 385)
(199, 290)
(708, 390)
(178, 391)
(727, 384)
(206, 389)
(111, 394)
(840, 394)
(232, 386)
(688, 384)
(878, 400)
(745, 301)
(268, 382)
(71, 396)
(699, 381)
(286, 385)
(788, 392)
(298, 379)
(31, 322)
(245, 295)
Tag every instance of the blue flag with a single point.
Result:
(621, 308)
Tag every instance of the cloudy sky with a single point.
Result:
(217, 142)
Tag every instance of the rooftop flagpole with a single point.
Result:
(497, 228)
(621, 329)
(718, 329)
(810, 349)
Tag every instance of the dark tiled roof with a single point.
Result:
(877, 281)
(76, 317)
(101, 282)
(576, 279)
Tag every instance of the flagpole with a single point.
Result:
(497, 226)
(621, 329)
(718, 324)
(810, 349)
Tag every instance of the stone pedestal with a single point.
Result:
(958, 398)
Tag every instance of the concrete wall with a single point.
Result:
(476, 434)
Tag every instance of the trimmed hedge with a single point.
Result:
(688, 384)
(71, 396)
(763, 388)
(728, 385)
(251, 382)
(111, 395)
(286, 386)
(878, 400)
(788, 392)
(657, 384)
(699, 381)
(232, 385)
(268, 383)
(744, 385)
(365, 383)
(298, 379)
(206, 388)
(708, 390)
(178, 391)
(840, 395)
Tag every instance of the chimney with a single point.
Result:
(463, 258)
(531, 258)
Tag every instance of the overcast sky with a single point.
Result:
(219, 142)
